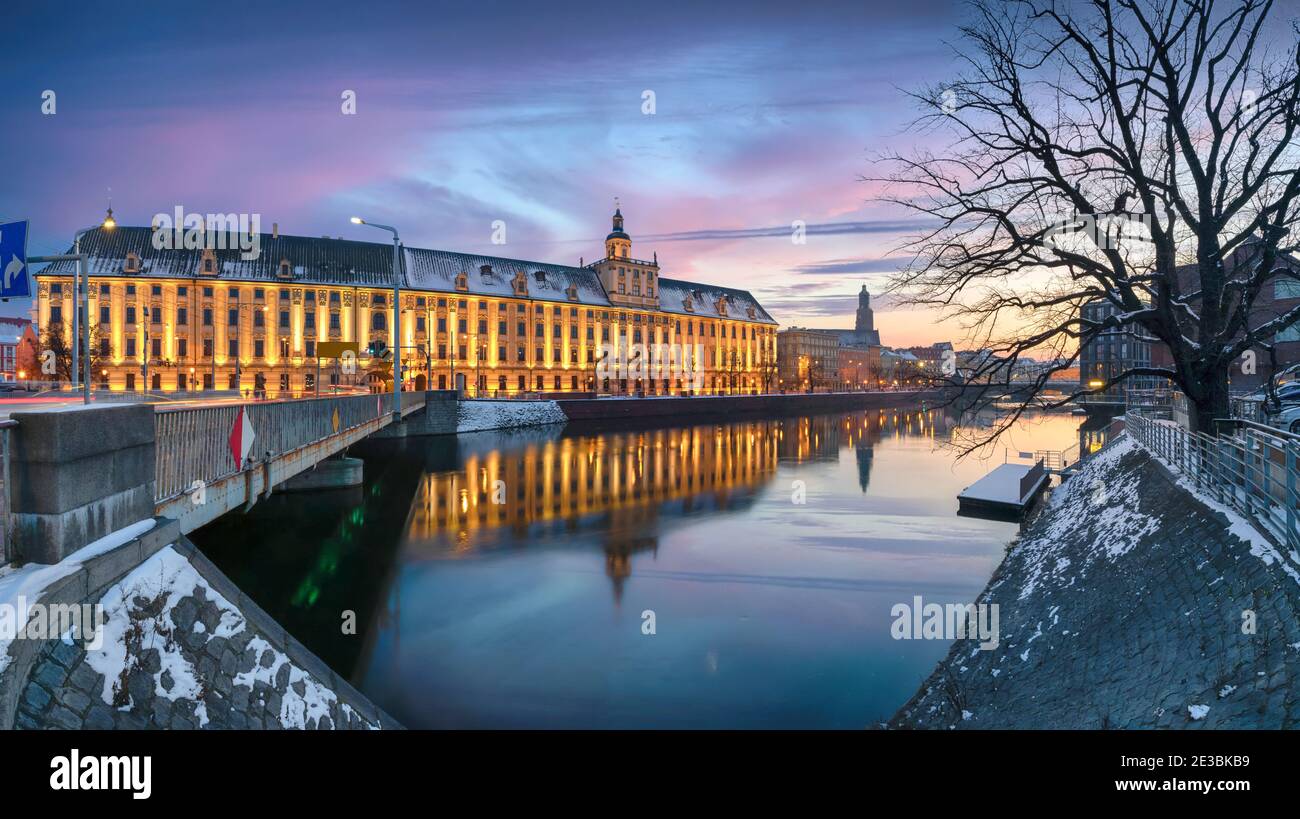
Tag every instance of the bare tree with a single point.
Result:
(1135, 154)
(54, 341)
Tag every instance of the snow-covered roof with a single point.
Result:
(493, 276)
(350, 263)
(674, 295)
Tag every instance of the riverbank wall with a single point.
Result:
(699, 406)
(1128, 602)
(447, 414)
(180, 646)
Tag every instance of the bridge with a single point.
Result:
(198, 477)
(77, 473)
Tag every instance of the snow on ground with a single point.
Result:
(22, 586)
(477, 414)
(1095, 498)
(1260, 546)
(296, 710)
(168, 574)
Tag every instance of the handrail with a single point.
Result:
(1255, 472)
(6, 496)
(193, 442)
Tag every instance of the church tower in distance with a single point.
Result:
(866, 321)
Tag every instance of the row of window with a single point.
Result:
(380, 300)
(379, 321)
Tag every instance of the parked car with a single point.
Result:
(1288, 393)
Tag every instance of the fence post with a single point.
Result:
(1290, 496)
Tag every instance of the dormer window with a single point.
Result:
(751, 312)
(572, 292)
(132, 263)
(462, 281)
(689, 304)
(520, 283)
(540, 275)
(286, 270)
(485, 270)
(208, 262)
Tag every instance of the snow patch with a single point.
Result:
(1097, 502)
(166, 574)
(29, 582)
(473, 415)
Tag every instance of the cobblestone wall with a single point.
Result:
(1127, 603)
(183, 648)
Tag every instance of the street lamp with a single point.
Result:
(397, 316)
(82, 271)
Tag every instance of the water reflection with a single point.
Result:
(500, 579)
(618, 486)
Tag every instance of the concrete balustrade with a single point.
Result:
(79, 473)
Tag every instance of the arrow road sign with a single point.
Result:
(13, 261)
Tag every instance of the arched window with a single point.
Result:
(378, 321)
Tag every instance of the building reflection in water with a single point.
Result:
(620, 489)
(616, 486)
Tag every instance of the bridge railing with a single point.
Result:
(193, 443)
(6, 516)
(1255, 471)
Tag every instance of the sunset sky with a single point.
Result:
(467, 113)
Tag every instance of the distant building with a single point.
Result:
(807, 359)
(15, 334)
(1277, 297)
(815, 358)
(1110, 353)
(859, 367)
(1118, 349)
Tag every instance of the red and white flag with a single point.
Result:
(241, 438)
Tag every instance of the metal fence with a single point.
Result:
(1255, 470)
(6, 518)
(193, 443)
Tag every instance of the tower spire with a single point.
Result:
(617, 243)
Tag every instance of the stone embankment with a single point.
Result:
(1128, 602)
(180, 647)
(622, 408)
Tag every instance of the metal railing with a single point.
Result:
(1255, 471)
(1053, 460)
(6, 518)
(193, 443)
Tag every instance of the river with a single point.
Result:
(736, 574)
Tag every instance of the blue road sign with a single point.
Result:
(15, 283)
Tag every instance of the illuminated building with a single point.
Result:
(175, 319)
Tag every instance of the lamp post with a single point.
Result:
(397, 316)
(80, 273)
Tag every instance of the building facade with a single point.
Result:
(203, 318)
(17, 347)
(1110, 353)
(807, 359)
(813, 358)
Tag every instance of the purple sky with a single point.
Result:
(473, 112)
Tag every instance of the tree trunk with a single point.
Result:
(1209, 402)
